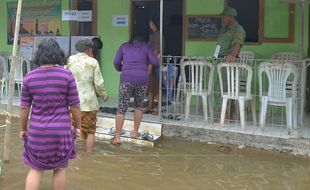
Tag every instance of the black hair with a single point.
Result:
(136, 38)
(97, 45)
(49, 52)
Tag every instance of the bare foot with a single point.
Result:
(155, 112)
(116, 141)
(134, 135)
(148, 110)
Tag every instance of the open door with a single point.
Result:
(143, 11)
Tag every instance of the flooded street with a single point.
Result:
(172, 164)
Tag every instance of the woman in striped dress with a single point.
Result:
(50, 91)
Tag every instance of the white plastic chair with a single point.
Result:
(198, 83)
(232, 91)
(305, 65)
(287, 56)
(22, 67)
(294, 58)
(5, 75)
(277, 94)
(180, 90)
(246, 57)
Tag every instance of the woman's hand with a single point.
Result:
(105, 98)
(76, 132)
(22, 134)
(159, 56)
(149, 69)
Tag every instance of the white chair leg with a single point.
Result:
(224, 107)
(229, 104)
(253, 107)
(19, 86)
(263, 111)
(289, 113)
(2, 87)
(294, 115)
(7, 87)
(178, 90)
(198, 103)
(302, 109)
(242, 113)
(210, 106)
(205, 107)
(187, 105)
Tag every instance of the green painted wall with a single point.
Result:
(204, 6)
(273, 23)
(113, 36)
(276, 25)
(3, 30)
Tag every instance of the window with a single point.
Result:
(248, 17)
(262, 23)
(85, 28)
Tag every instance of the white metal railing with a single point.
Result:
(178, 78)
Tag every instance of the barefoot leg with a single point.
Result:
(33, 179)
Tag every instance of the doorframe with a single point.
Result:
(183, 32)
(74, 24)
(308, 30)
(131, 15)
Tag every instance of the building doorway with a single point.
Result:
(143, 11)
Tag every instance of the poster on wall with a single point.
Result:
(63, 41)
(26, 47)
(38, 18)
(30, 44)
(120, 20)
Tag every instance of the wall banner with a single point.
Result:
(38, 18)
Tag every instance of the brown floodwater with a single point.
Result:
(172, 164)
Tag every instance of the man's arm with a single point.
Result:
(237, 42)
(235, 50)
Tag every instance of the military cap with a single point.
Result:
(229, 11)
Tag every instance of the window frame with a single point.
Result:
(291, 26)
(261, 22)
(74, 24)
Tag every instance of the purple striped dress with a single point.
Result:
(50, 142)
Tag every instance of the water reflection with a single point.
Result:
(173, 164)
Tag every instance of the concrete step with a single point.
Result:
(107, 124)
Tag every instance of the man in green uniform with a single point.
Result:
(231, 36)
(230, 40)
